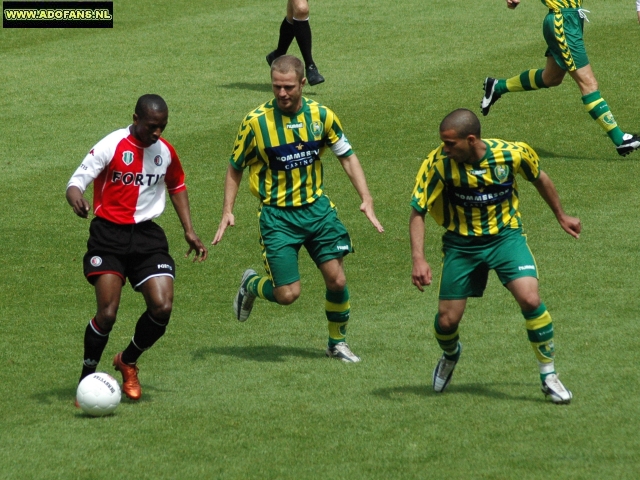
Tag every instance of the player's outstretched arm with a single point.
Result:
(548, 192)
(421, 272)
(180, 203)
(512, 4)
(76, 199)
(231, 187)
(354, 171)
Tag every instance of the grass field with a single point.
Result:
(259, 400)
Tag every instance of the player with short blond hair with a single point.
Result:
(281, 143)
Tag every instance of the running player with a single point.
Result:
(468, 185)
(281, 143)
(562, 29)
(130, 169)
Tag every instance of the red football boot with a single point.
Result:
(130, 384)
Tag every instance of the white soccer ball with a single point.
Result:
(98, 394)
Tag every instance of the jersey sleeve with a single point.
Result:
(336, 139)
(175, 178)
(93, 164)
(244, 148)
(428, 185)
(529, 162)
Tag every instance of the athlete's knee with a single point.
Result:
(287, 294)
(337, 284)
(161, 311)
(552, 79)
(300, 9)
(448, 321)
(529, 302)
(106, 316)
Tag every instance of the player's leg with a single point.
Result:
(151, 326)
(565, 52)
(253, 285)
(108, 288)
(598, 109)
(280, 245)
(286, 36)
(445, 328)
(446, 324)
(515, 266)
(537, 320)
(302, 32)
(551, 76)
(540, 332)
(464, 275)
(337, 310)
(328, 242)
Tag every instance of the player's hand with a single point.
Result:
(512, 4)
(81, 208)
(421, 274)
(77, 201)
(228, 220)
(367, 208)
(571, 225)
(196, 245)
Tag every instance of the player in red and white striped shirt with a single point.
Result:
(130, 169)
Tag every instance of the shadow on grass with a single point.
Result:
(475, 389)
(68, 394)
(547, 154)
(263, 353)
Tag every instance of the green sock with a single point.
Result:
(337, 308)
(261, 287)
(595, 106)
(527, 80)
(540, 332)
(448, 341)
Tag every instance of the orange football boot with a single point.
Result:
(130, 384)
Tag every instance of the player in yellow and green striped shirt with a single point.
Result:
(281, 143)
(468, 185)
(562, 29)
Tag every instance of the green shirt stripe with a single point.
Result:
(475, 199)
(283, 152)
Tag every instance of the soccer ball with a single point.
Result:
(98, 394)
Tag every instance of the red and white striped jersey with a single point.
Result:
(129, 179)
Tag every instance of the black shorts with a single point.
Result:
(137, 252)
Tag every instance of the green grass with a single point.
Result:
(259, 400)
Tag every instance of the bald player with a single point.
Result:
(468, 185)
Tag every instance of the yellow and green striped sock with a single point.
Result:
(261, 287)
(595, 106)
(527, 80)
(448, 341)
(337, 308)
(540, 332)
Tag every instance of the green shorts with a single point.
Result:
(284, 230)
(466, 262)
(563, 33)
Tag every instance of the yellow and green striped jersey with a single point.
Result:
(556, 5)
(475, 199)
(283, 151)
